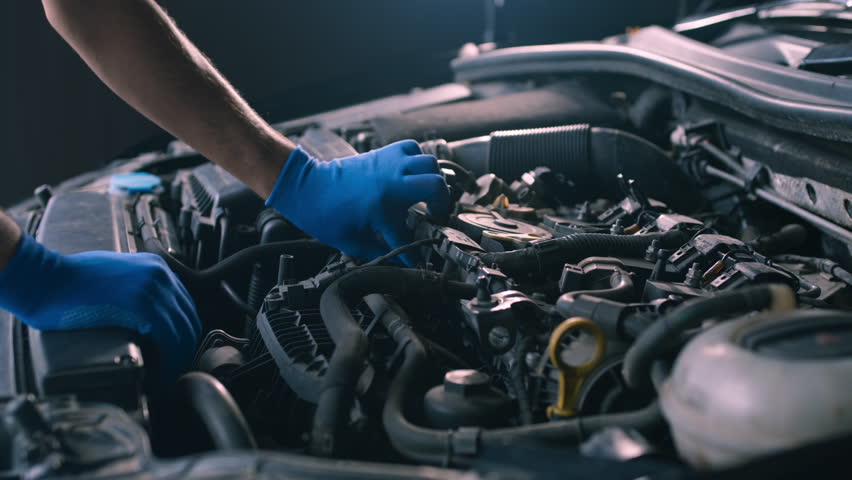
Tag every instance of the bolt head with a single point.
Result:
(499, 337)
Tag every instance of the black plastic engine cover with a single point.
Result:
(97, 364)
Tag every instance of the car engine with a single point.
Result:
(642, 275)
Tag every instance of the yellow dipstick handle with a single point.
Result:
(571, 377)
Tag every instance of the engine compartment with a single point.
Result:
(620, 283)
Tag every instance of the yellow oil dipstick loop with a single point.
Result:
(571, 377)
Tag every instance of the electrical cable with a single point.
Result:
(236, 300)
(204, 280)
(399, 251)
(822, 264)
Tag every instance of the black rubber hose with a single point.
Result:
(218, 411)
(787, 238)
(621, 288)
(273, 228)
(441, 447)
(236, 300)
(575, 430)
(591, 157)
(210, 277)
(552, 254)
(424, 445)
(256, 290)
(518, 375)
(667, 331)
(350, 341)
(420, 444)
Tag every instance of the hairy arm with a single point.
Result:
(10, 236)
(138, 51)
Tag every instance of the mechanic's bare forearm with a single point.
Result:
(10, 236)
(137, 50)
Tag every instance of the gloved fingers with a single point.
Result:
(398, 236)
(174, 352)
(408, 147)
(420, 165)
(430, 188)
(187, 304)
(368, 248)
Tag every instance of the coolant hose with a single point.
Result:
(218, 411)
(575, 430)
(555, 252)
(459, 446)
(591, 157)
(196, 280)
(350, 341)
(666, 332)
(621, 287)
(420, 444)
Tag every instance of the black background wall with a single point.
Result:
(288, 57)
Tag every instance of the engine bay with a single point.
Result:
(625, 281)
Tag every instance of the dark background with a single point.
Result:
(289, 58)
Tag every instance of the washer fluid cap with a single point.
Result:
(136, 182)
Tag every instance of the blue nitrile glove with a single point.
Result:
(49, 291)
(359, 204)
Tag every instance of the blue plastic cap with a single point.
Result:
(137, 182)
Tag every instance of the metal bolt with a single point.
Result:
(532, 359)
(499, 337)
(585, 212)
(483, 296)
(694, 275)
(124, 360)
(651, 251)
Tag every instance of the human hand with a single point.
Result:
(359, 204)
(50, 291)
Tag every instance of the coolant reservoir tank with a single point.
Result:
(761, 384)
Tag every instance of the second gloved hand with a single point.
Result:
(50, 291)
(359, 204)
